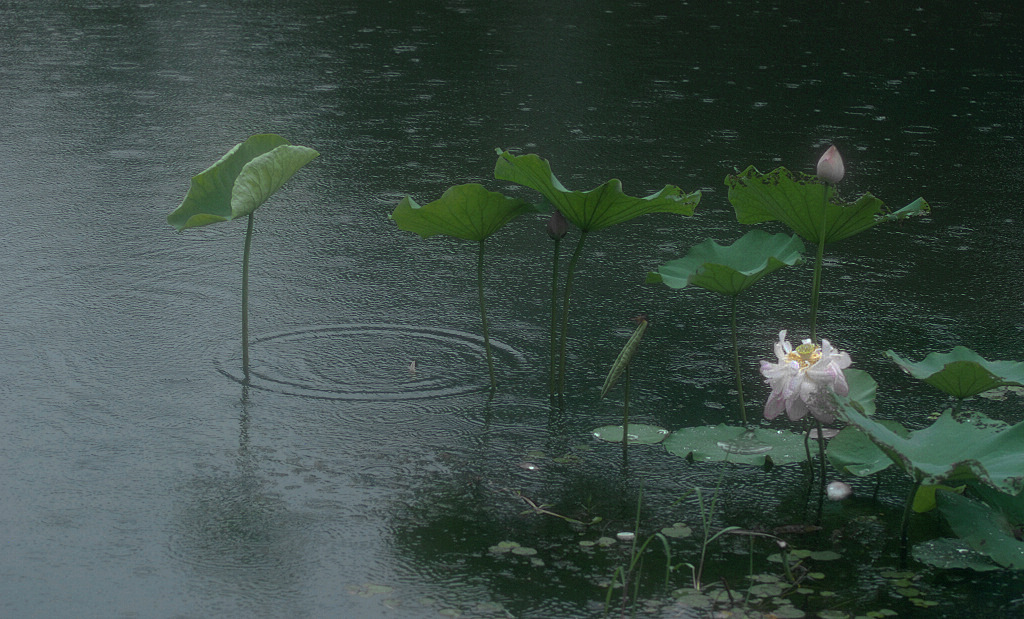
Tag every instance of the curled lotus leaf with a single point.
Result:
(950, 451)
(469, 212)
(796, 200)
(962, 373)
(595, 209)
(240, 181)
(985, 527)
(731, 269)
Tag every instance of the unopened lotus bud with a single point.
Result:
(557, 226)
(830, 166)
(837, 491)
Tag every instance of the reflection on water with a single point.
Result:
(125, 492)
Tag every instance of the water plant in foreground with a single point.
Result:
(593, 210)
(235, 186)
(962, 373)
(620, 367)
(468, 212)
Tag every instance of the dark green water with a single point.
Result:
(141, 480)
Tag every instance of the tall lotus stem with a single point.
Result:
(483, 311)
(625, 415)
(905, 523)
(245, 298)
(821, 455)
(565, 308)
(554, 319)
(736, 364)
(830, 170)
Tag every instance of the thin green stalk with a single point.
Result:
(816, 284)
(736, 364)
(483, 311)
(554, 318)
(625, 415)
(245, 299)
(905, 523)
(565, 309)
(821, 482)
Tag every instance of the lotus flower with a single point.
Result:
(830, 166)
(802, 379)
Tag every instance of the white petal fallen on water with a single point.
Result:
(412, 368)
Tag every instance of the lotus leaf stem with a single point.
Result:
(736, 364)
(565, 308)
(483, 311)
(816, 283)
(625, 415)
(552, 374)
(905, 523)
(245, 298)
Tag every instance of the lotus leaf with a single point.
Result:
(705, 444)
(796, 200)
(951, 450)
(984, 527)
(595, 209)
(468, 212)
(731, 269)
(949, 553)
(639, 434)
(852, 451)
(962, 373)
(240, 181)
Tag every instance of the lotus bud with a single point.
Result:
(837, 491)
(557, 226)
(830, 166)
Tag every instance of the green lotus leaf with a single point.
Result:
(949, 553)
(595, 209)
(721, 442)
(639, 434)
(951, 451)
(984, 527)
(468, 212)
(731, 269)
(962, 373)
(240, 181)
(624, 358)
(852, 451)
(796, 199)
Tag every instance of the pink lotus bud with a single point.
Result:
(557, 226)
(830, 166)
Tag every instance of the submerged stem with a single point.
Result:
(905, 523)
(483, 311)
(736, 364)
(565, 309)
(816, 283)
(821, 482)
(245, 298)
(554, 318)
(625, 415)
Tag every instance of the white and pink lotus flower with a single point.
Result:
(803, 378)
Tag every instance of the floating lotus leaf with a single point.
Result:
(730, 270)
(595, 209)
(796, 200)
(984, 527)
(962, 373)
(852, 451)
(240, 181)
(469, 212)
(710, 444)
(639, 434)
(951, 450)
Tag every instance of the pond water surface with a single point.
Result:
(141, 479)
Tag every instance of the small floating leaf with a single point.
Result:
(701, 444)
(962, 373)
(677, 530)
(639, 434)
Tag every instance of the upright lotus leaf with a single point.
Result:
(852, 451)
(595, 209)
(240, 181)
(985, 527)
(796, 199)
(469, 212)
(962, 373)
(730, 270)
(951, 451)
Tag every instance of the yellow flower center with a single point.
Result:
(805, 354)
